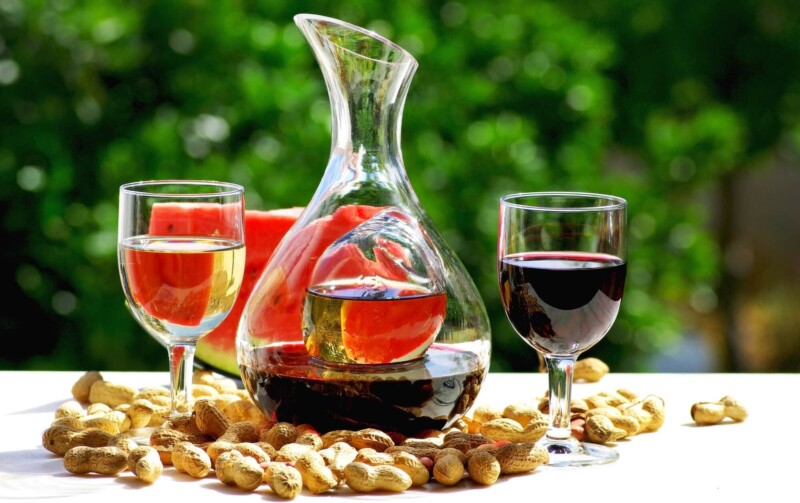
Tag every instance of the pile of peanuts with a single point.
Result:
(228, 434)
(603, 418)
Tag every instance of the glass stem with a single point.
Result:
(181, 365)
(559, 374)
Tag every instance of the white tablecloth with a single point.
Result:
(681, 462)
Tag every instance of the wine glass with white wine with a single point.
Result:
(181, 259)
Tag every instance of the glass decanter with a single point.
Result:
(364, 316)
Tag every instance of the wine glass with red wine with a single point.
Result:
(561, 269)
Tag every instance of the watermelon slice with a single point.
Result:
(276, 315)
(173, 287)
(193, 219)
(176, 287)
(263, 231)
(374, 332)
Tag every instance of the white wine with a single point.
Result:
(377, 321)
(175, 285)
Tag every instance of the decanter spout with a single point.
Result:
(367, 77)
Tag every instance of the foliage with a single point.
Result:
(654, 101)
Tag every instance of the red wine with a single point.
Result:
(562, 303)
(432, 392)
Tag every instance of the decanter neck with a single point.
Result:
(367, 78)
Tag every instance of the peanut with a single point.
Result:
(614, 398)
(112, 422)
(577, 426)
(448, 470)
(203, 390)
(290, 453)
(284, 480)
(469, 425)
(221, 401)
(145, 463)
(103, 460)
(244, 410)
(242, 431)
(705, 413)
(628, 423)
(412, 466)
(111, 394)
(311, 439)
(210, 419)
(164, 437)
(219, 383)
(251, 450)
(183, 422)
(334, 436)
(152, 392)
(424, 443)
(508, 429)
(465, 441)
(371, 437)
(216, 448)
(317, 477)
(734, 409)
(71, 422)
(192, 460)
(280, 434)
(337, 456)
(364, 478)
(98, 408)
(485, 413)
(483, 467)
(124, 442)
(142, 412)
(600, 429)
(589, 370)
(80, 390)
(70, 409)
(521, 457)
(234, 468)
(420, 452)
(523, 413)
(649, 411)
(164, 441)
(408, 463)
(451, 451)
(60, 439)
(578, 406)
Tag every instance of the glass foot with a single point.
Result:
(574, 453)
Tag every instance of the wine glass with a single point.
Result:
(181, 261)
(561, 270)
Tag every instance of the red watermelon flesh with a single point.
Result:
(173, 287)
(176, 287)
(277, 314)
(263, 231)
(193, 219)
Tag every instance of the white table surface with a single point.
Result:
(681, 462)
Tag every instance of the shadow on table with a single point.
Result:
(36, 461)
(47, 407)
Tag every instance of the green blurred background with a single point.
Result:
(690, 110)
